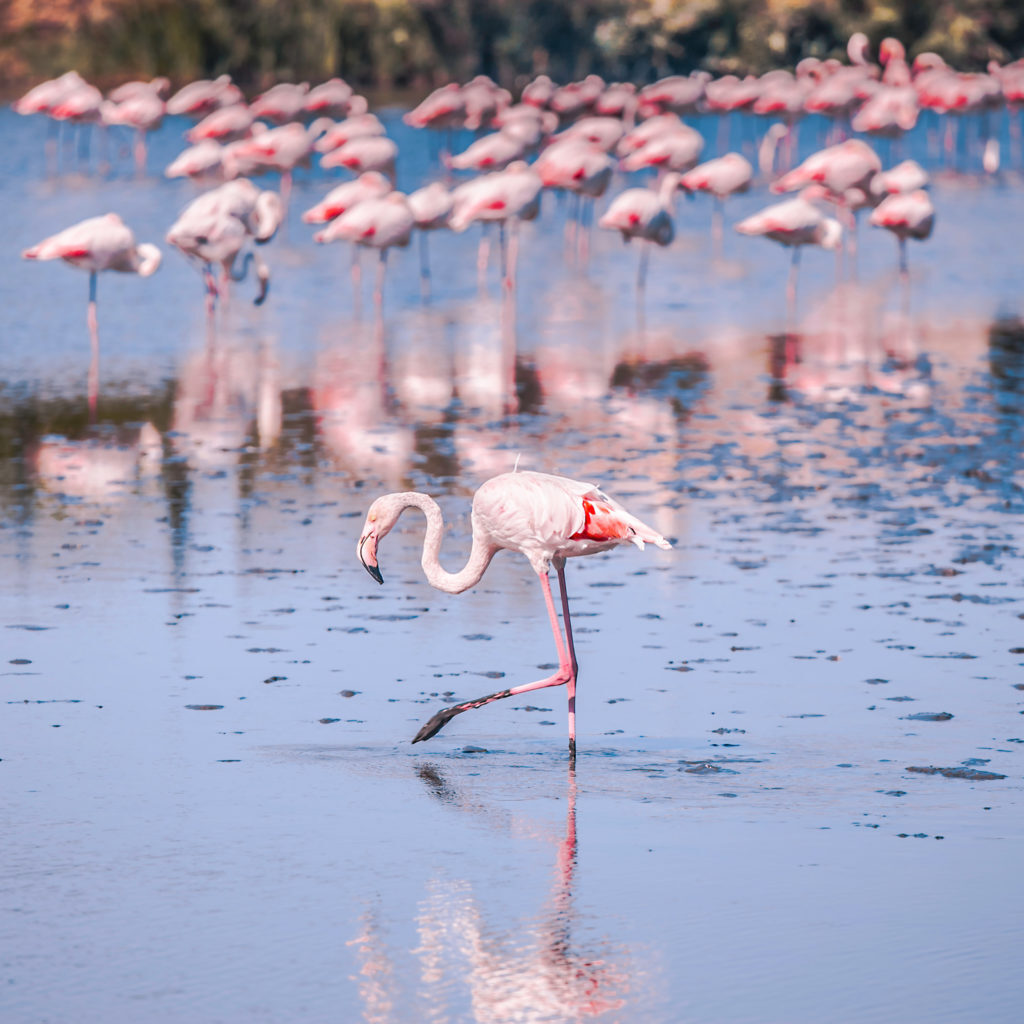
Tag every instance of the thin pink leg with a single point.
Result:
(94, 343)
(566, 671)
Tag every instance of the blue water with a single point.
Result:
(212, 810)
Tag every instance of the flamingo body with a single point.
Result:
(371, 185)
(97, 244)
(547, 519)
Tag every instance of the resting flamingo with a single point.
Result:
(794, 223)
(645, 214)
(96, 244)
(546, 518)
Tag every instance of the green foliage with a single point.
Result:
(416, 44)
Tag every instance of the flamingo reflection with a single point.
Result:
(533, 973)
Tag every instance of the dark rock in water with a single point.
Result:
(204, 707)
(928, 716)
(470, 749)
(971, 774)
(704, 768)
(347, 693)
(329, 721)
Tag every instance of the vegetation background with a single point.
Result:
(414, 45)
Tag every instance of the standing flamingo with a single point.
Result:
(906, 215)
(96, 244)
(215, 227)
(546, 518)
(722, 177)
(645, 214)
(794, 223)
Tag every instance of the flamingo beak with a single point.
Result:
(369, 557)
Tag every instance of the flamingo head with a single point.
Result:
(380, 520)
(149, 258)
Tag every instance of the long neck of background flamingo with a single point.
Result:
(451, 582)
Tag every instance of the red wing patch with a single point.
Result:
(601, 523)
(495, 204)
(74, 254)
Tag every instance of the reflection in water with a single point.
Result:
(531, 971)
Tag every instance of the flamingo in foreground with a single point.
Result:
(548, 519)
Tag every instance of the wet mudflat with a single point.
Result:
(798, 791)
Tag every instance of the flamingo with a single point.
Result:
(431, 208)
(493, 152)
(214, 228)
(371, 185)
(97, 244)
(677, 149)
(141, 109)
(197, 99)
(502, 196)
(579, 166)
(645, 214)
(225, 124)
(544, 517)
(329, 99)
(794, 223)
(722, 177)
(203, 160)
(354, 127)
(282, 102)
(906, 215)
(364, 153)
(379, 223)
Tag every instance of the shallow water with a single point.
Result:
(213, 811)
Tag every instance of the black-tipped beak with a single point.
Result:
(370, 560)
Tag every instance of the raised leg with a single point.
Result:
(566, 671)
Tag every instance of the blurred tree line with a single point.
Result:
(417, 44)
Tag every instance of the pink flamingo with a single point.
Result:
(644, 214)
(141, 109)
(482, 99)
(794, 223)
(355, 127)
(280, 149)
(508, 196)
(581, 167)
(98, 244)
(282, 102)
(215, 227)
(906, 215)
(197, 99)
(538, 92)
(546, 518)
(380, 223)
(577, 98)
(225, 124)
(678, 94)
(907, 176)
(493, 152)
(365, 153)
(203, 160)
(722, 177)
(604, 132)
(444, 108)
(329, 99)
(371, 185)
(678, 149)
(431, 208)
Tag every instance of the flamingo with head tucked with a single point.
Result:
(544, 517)
(95, 245)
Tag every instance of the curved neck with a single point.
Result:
(450, 582)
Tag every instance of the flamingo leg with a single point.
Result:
(566, 671)
(570, 683)
(794, 271)
(641, 274)
(378, 291)
(424, 268)
(357, 280)
(94, 345)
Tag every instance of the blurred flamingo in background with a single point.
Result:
(215, 227)
(794, 223)
(722, 177)
(546, 518)
(644, 214)
(95, 245)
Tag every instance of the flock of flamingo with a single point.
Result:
(576, 136)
